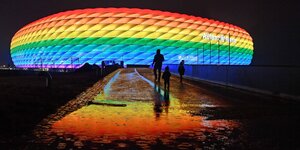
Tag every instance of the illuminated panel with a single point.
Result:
(72, 38)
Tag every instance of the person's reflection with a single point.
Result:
(157, 102)
(167, 101)
(181, 87)
(162, 101)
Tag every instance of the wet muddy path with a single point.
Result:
(142, 115)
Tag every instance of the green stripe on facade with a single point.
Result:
(127, 41)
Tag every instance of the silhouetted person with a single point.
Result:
(181, 70)
(157, 61)
(102, 68)
(48, 78)
(166, 76)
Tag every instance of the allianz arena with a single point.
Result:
(72, 38)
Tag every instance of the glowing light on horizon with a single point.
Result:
(72, 38)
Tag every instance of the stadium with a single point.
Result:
(72, 38)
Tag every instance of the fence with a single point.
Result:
(283, 81)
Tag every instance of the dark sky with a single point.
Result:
(273, 25)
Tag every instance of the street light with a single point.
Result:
(210, 52)
(229, 49)
(202, 53)
(218, 52)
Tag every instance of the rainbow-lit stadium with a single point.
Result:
(72, 38)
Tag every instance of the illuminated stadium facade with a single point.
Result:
(73, 38)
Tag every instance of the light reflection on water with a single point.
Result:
(137, 119)
(159, 118)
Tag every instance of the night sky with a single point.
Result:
(273, 25)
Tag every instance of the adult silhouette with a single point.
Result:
(181, 70)
(157, 61)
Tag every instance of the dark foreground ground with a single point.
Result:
(198, 116)
(25, 100)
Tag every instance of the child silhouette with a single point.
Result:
(166, 76)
